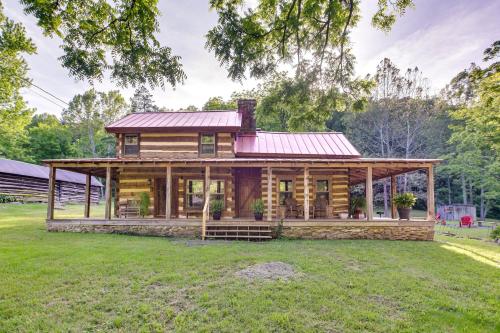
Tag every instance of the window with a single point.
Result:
(217, 190)
(131, 144)
(322, 190)
(194, 194)
(286, 190)
(207, 144)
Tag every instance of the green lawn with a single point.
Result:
(62, 282)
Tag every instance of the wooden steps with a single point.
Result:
(248, 232)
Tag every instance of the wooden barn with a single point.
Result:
(29, 182)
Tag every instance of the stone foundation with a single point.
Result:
(186, 229)
(390, 230)
(421, 230)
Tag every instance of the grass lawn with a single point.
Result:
(95, 282)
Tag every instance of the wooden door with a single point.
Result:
(248, 189)
(160, 197)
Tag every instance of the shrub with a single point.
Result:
(5, 198)
(144, 204)
(216, 206)
(495, 234)
(258, 206)
(405, 200)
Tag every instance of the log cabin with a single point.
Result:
(182, 161)
(30, 182)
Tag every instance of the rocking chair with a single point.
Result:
(293, 209)
(319, 207)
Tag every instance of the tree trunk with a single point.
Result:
(464, 188)
(386, 199)
(91, 140)
(449, 190)
(471, 197)
(482, 209)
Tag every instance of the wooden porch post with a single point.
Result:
(393, 194)
(207, 182)
(88, 187)
(369, 193)
(306, 193)
(107, 195)
(269, 194)
(430, 194)
(168, 195)
(51, 194)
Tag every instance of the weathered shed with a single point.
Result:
(30, 182)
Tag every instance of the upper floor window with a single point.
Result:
(207, 144)
(131, 144)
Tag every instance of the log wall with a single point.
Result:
(177, 145)
(36, 189)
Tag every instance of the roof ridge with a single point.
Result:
(181, 111)
(276, 132)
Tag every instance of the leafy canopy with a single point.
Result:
(101, 35)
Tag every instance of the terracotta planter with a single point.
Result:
(216, 215)
(404, 213)
(258, 216)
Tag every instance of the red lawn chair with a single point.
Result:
(466, 220)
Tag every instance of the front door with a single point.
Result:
(160, 197)
(248, 185)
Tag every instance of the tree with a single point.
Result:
(142, 101)
(311, 35)
(100, 35)
(49, 139)
(477, 140)
(14, 113)
(218, 103)
(87, 115)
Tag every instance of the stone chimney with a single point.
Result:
(246, 107)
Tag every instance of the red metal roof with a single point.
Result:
(283, 144)
(229, 121)
(37, 171)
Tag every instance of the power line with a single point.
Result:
(51, 101)
(45, 91)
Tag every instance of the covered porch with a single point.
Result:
(180, 193)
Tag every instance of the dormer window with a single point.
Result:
(207, 144)
(131, 145)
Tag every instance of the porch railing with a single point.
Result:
(204, 218)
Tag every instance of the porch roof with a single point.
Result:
(382, 167)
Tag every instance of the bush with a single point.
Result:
(5, 198)
(258, 206)
(216, 206)
(405, 200)
(495, 234)
(144, 204)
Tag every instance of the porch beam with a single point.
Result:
(107, 195)
(51, 194)
(430, 194)
(168, 194)
(394, 189)
(269, 194)
(369, 193)
(306, 194)
(88, 184)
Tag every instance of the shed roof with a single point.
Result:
(37, 171)
(284, 144)
(229, 121)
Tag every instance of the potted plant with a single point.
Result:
(357, 207)
(258, 209)
(216, 208)
(144, 204)
(404, 203)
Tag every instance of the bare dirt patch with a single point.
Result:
(269, 271)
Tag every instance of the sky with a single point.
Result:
(441, 38)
